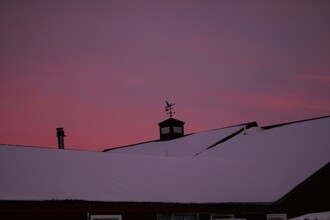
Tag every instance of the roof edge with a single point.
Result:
(311, 180)
(248, 125)
(130, 145)
(75, 201)
(292, 122)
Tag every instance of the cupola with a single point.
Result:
(171, 128)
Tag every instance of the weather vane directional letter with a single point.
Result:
(169, 108)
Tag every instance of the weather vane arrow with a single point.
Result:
(169, 108)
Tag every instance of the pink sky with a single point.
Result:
(103, 69)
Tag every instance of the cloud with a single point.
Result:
(289, 103)
(317, 78)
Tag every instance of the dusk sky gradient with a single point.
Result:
(103, 69)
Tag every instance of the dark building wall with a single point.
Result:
(72, 216)
(313, 195)
(125, 216)
(43, 216)
(75, 210)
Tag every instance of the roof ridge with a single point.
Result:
(292, 122)
(45, 147)
(246, 126)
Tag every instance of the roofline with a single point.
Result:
(314, 178)
(71, 201)
(74, 206)
(171, 119)
(47, 147)
(248, 125)
(18, 145)
(292, 122)
(130, 145)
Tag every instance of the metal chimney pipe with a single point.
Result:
(60, 138)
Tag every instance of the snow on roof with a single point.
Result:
(259, 167)
(314, 216)
(185, 146)
(51, 174)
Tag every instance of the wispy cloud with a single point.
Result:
(288, 103)
(318, 78)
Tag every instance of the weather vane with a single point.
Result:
(169, 108)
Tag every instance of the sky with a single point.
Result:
(103, 69)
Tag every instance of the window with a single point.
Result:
(105, 217)
(165, 130)
(225, 217)
(215, 218)
(184, 217)
(178, 217)
(177, 130)
(276, 217)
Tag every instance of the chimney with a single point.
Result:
(60, 138)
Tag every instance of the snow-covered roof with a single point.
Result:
(260, 166)
(189, 145)
(314, 216)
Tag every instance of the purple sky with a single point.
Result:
(103, 69)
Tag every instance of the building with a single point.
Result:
(243, 172)
(171, 129)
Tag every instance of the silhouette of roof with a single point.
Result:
(188, 145)
(205, 167)
(171, 121)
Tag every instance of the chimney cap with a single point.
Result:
(60, 132)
